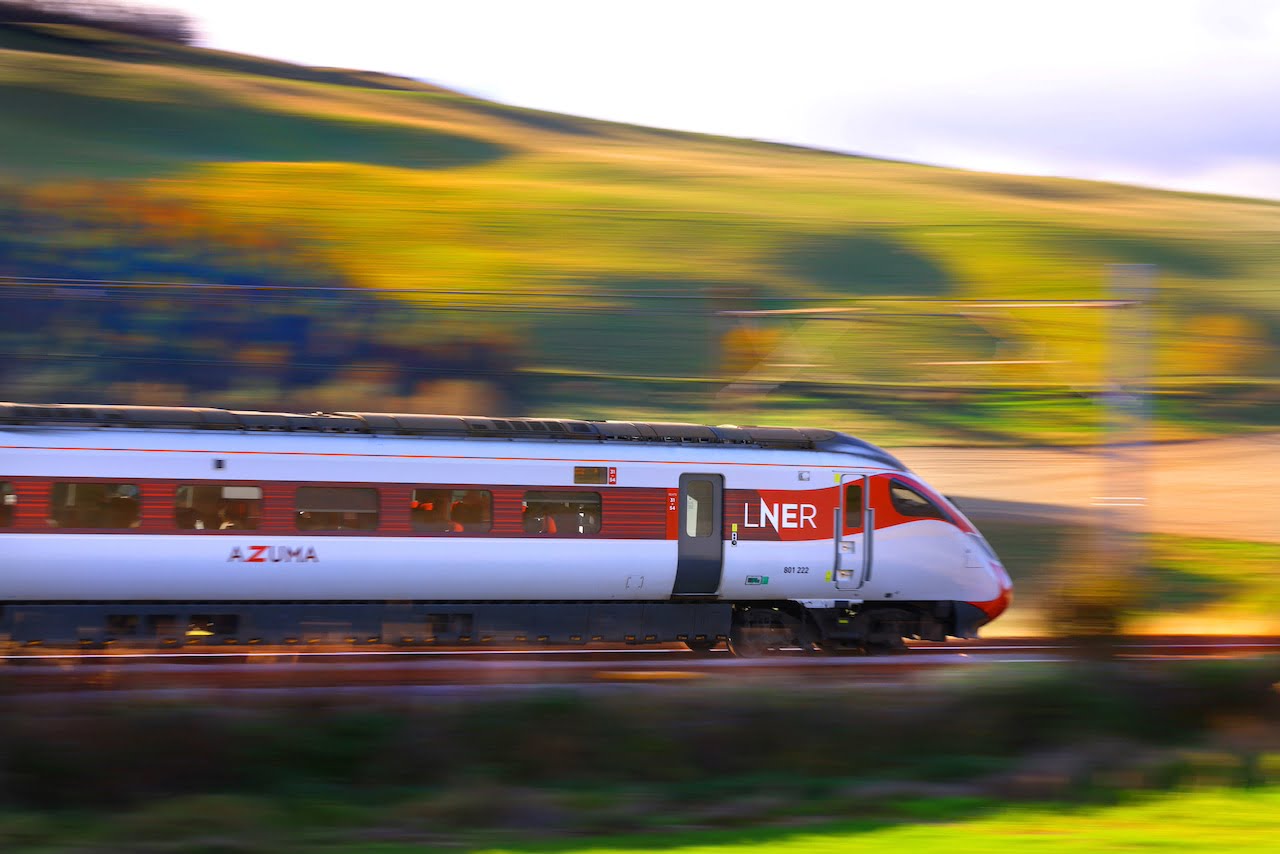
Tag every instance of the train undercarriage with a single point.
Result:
(746, 629)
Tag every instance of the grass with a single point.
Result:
(144, 138)
(668, 766)
(1212, 582)
(1184, 822)
(501, 819)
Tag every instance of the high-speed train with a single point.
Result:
(171, 526)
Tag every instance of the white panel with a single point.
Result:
(133, 566)
(116, 452)
(925, 560)
(810, 562)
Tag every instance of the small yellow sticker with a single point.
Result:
(828, 576)
(734, 529)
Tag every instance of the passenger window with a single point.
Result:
(699, 510)
(908, 502)
(566, 513)
(853, 507)
(8, 504)
(95, 505)
(217, 507)
(441, 510)
(336, 508)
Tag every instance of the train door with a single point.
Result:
(855, 530)
(701, 535)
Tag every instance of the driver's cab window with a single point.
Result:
(908, 502)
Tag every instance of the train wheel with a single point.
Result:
(886, 631)
(747, 643)
(757, 631)
(701, 647)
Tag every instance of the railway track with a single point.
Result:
(191, 673)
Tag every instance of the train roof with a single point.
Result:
(440, 426)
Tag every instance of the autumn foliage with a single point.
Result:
(146, 300)
(148, 22)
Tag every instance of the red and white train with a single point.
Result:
(155, 525)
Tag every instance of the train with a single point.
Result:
(177, 526)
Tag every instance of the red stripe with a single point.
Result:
(631, 513)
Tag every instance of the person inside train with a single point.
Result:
(233, 516)
(187, 519)
(427, 512)
(121, 509)
(538, 521)
(469, 511)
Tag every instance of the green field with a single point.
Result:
(1210, 822)
(608, 253)
(1084, 754)
(1176, 585)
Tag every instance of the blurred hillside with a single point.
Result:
(322, 238)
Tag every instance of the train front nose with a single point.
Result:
(981, 612)
(1000, 604)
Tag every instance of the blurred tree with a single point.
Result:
(1222, 345)
(1096, 589)
(744, 347)
(146, 21)
(159, 300)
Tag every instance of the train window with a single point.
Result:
(441, 510)
(8, 504)
(571, 513)
(95, 505)
(217, 507)
(699, 515)
(853, 507)
(336, 508)
(908, 502)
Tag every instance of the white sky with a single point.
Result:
(1172, 93)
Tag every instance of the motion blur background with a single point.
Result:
(1089, 368)
(186, 225)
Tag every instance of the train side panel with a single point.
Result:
(83, 567)
(778, 536)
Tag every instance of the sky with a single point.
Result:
(1183, 94)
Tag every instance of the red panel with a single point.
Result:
(508, 507)
(626, 514)
(631, 514)
(156, 510)
(32, 512)
(278, 508)
(393, 510)
(998, 605)
(887, 515)
(781, 514)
